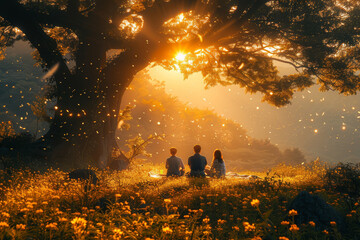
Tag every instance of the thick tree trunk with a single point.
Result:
(88, 101)
(87, 114)
(85, 137)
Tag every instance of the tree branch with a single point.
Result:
(132, 60)
(225, 29)
(70, 18)
(284, 61)
(15, 13)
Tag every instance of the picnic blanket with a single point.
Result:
(228, 175)
(156, 175)
(241, 176)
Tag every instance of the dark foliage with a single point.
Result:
(17, 141)
(13, 148)
(313, 208)
(84, 175)
(344, 178)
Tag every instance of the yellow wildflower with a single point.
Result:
(293, 212)
(285, 223)
(51, 226)
(283, 238)
(167, 230)
(248, 227)
(255, 203)
(312, 223)
(167, 200)
(236, 228)
(24, 210)
(117, 233)
(4, 225)
(62, 219)
(333, 223)
(206, 220)
(294, 228)
(39, 211)
(20, 226)
(220, 221)
(206, 233)
(79, 225)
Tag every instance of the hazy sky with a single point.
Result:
(324, 124)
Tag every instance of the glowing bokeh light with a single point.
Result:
(180, 56)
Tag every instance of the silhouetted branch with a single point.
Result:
(46, 46)
(232, 25)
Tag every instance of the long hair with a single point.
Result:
(218, 156)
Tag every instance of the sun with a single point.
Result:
(180, 56)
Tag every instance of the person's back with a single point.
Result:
(218, 168)
(174, 164)
(197, 163)
(218, 165)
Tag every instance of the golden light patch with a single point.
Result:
(180, 56)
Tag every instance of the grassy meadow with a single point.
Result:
(131, 205)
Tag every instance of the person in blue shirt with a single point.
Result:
(218, 165)
(197, 163)
(174, 165)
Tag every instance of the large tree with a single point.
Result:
(95, 47)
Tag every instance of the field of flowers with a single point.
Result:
(131, 205)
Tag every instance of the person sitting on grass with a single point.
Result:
(174, 165)
(197, 163)
(218, 165)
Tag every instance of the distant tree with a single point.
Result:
(293, 156)
(95, 47)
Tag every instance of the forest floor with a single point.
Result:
(132, 205)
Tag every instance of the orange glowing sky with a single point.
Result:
(324, 124)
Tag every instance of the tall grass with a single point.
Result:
(131, 205)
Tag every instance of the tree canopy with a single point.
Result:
(95, 47)
(230, 42)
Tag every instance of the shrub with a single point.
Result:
(344, 178)
(17, 141)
